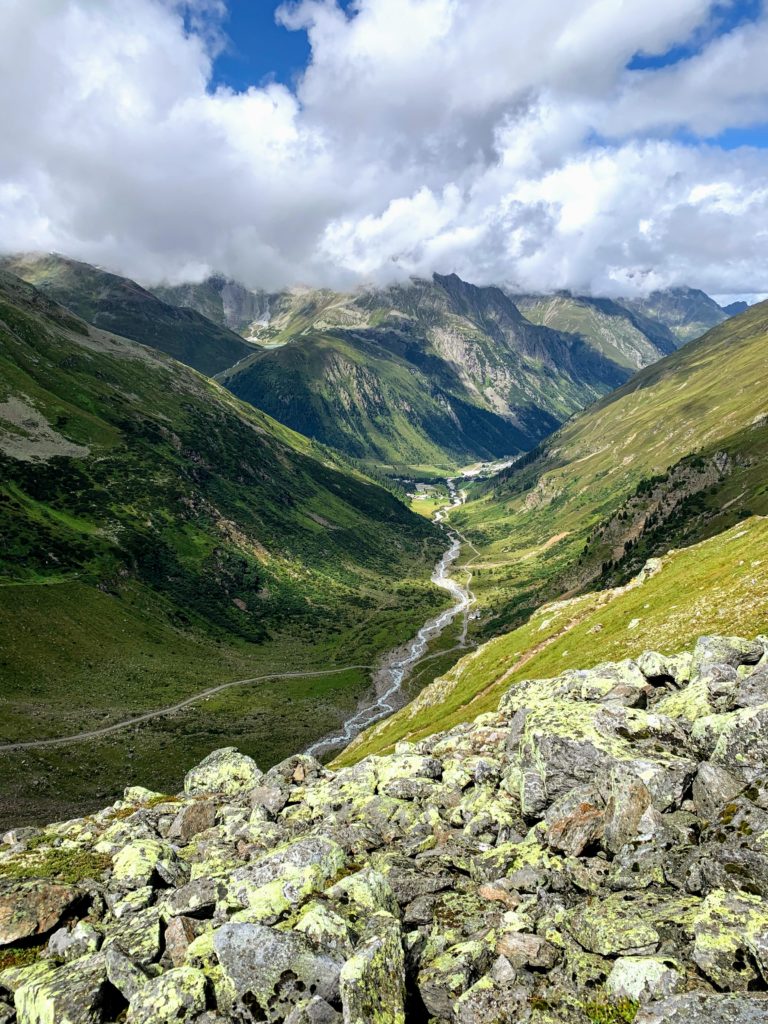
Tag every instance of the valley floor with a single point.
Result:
(140, 700)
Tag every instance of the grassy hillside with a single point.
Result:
(122, 307)
(677, 454)
(160, 536)
(719, 585)
(676, 459)
(622, 335)
(434, 373)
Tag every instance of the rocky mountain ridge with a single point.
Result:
(593, 850)
(634, 331)
(621, 334)
(687, 312)
(429, 374)
(425, 373)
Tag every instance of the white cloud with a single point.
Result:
(504, 141)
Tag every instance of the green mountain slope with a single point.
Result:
(718, 584)
(687, 312)
(437, 372)
(622, 335)
(677, 454)
(159, 536)
(374, 404)
(122, 307)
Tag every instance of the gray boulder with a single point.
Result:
(752, 690)
(82, 940)
(713, 787)
(313, 1011)
(192, 819)
(706, 1008)
(725, 650)
(273, 970)
(373, 980)
(576, 821)
(224, 771)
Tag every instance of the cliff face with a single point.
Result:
(594, 850)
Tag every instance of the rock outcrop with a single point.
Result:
(594, 850)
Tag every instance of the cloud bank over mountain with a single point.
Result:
(511, 143)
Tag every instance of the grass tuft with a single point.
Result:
(604, 1011)
(58, 865)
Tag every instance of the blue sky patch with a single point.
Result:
(260, 50)
(725, 18)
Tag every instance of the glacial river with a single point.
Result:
(387, 691)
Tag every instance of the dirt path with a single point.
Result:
(107, 730)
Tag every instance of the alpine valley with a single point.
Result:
(496, 560)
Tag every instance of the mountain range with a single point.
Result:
(422, 377)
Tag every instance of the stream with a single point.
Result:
(398, 665)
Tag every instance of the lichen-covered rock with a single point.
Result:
(77, 993)
(706, 1008)
(273, 970)
(139, 936)
(641, 978)
(143, 862)
(177, 995)
(31, 908)
(362, 893)
(599, 841)
(125, 975)
(283, 878)
(730, 940)
(613, 926)
(451, 973)
(372, 980)
(326, 929)
(490, 1000)
(225, 771)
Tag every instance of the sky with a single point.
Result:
(608, 147)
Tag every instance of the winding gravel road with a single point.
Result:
(390, 677)
(107, 730)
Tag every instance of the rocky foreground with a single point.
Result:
(595, 850)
